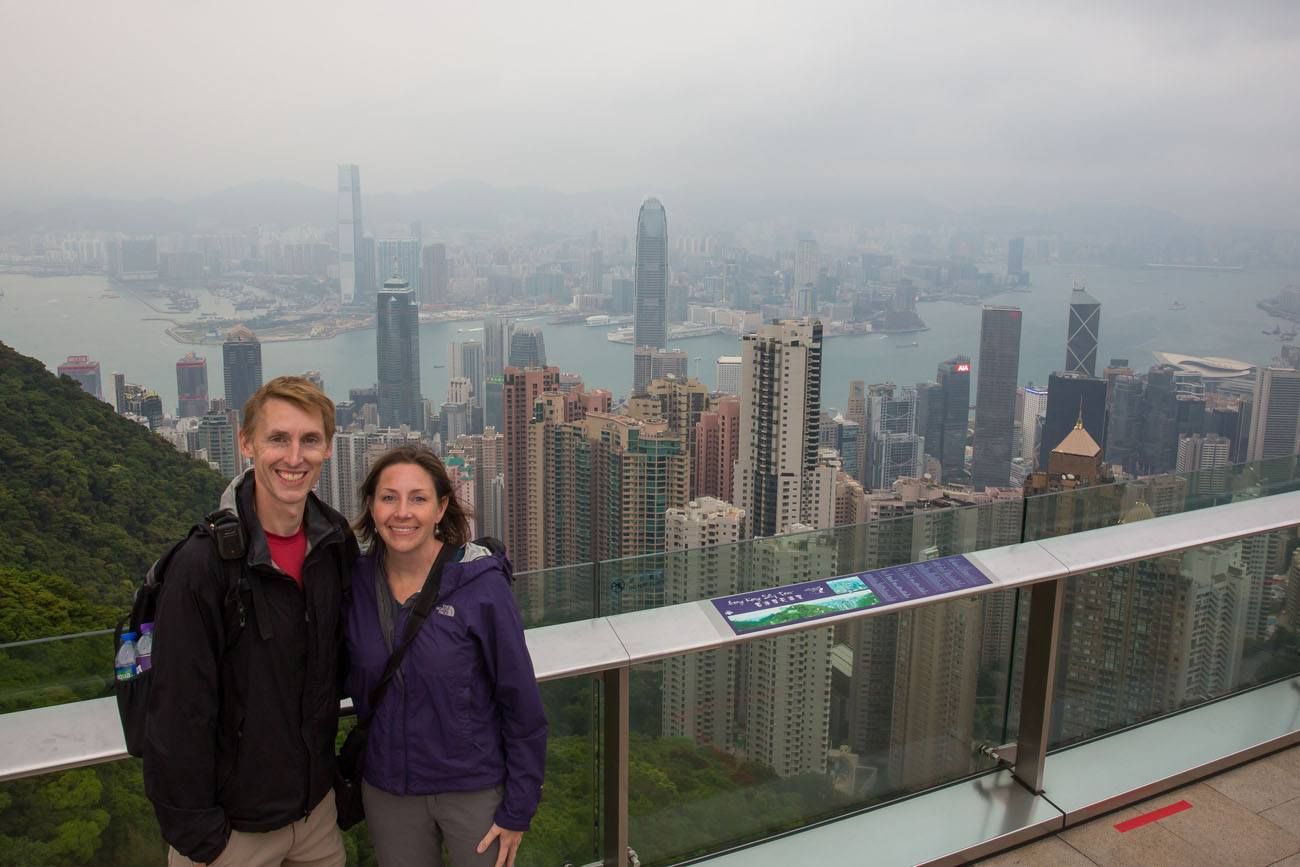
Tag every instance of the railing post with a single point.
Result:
(1046, 603)
(615, 699)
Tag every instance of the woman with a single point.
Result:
(458, 742)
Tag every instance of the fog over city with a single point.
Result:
(1185, 108)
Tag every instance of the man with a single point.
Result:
(239, 756)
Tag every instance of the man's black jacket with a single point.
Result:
(241, 728)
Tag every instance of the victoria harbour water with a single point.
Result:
(52, 318)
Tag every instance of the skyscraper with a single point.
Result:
(780, 422)
(1015, 257)
(522, 525)
(527, 347)
(806, 261)
(1033, 410)
(954, 380)
(1124, 428)
(717, 441)
(400, 258)
(397, 345)
(1083, 333)
(241, 366)
(467, 360)
(727, 374)
(496, 344)
(85, 372)
(351, 279)
(650, 320)
(1068, 396)
(218, 437)
(649, 364)
(1205, 456)
(1275, 422)
(895, 446)
(433, 274)
(995, 396)
(192, 386)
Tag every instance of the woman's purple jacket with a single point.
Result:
(464, 712)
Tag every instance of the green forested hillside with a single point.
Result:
(85, 495)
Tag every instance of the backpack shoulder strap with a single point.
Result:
(231, 546)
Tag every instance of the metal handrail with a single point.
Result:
(83, 733)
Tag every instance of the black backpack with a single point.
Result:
(227, 536)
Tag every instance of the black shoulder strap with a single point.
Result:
(231, 544)
(423, 605)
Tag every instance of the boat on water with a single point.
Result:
(1178, 305)
(907, 345)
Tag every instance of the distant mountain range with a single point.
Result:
(457, 208)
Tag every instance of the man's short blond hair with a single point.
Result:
(297, 390)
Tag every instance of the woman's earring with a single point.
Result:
(437, 530)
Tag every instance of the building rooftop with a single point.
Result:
(1209, 367)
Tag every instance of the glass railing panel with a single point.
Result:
(96, 817)
(1164, 634)
(1090, 508)
(55, 671)
(560, 595)
(99, 816)
(733, 745)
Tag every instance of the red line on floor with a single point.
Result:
(1153, 816)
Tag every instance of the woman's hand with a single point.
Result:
(510, 841)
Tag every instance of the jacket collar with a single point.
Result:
(239, 497)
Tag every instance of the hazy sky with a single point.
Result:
(1192, 109)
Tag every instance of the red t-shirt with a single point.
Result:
(288, 552)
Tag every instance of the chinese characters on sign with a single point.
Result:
(811, 600)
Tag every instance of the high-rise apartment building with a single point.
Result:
(1083, 334)
(702, 562)
(352, 280)
(85, 372)
(1275, 422)
(527, 347)
(857, 412)
(680, 403)
(399, 258)
(520, 389)
(241, 366)
(717, 444)
(1069, 397)
(650, 277)
(953, 377)
(1204, 457)
(219, 440)
(434, 274)
(397, 344)
(779, 426)
(995, 396)
(727, 374)
(192, 386)
(848, 441)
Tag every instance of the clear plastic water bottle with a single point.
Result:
(144, 649)
(125, 662)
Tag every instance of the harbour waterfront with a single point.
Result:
(52, 318)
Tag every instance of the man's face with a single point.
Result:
(287, 448)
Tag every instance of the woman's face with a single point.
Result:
(406, 508)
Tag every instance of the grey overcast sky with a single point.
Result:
(1189, 106)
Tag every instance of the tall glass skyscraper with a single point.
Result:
(650, 320)
(192, 386)
(350, 265)
(241, 365)
(398, 352)
(1084, 331)
(953, 377)
(995, 397)
(527, 347)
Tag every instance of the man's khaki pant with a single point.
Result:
(311, 842)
